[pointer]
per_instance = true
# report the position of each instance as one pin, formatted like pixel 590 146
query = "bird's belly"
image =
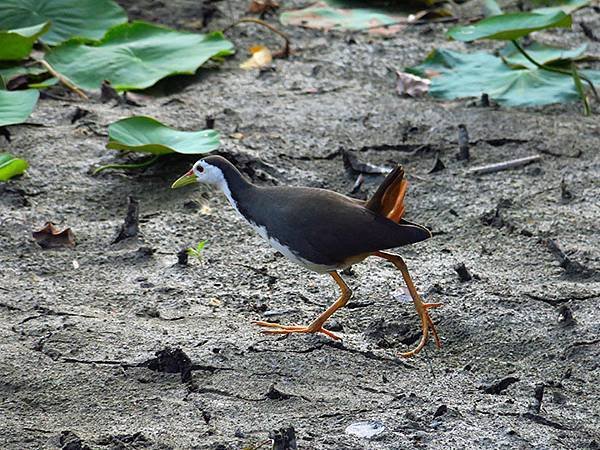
pixel 289 254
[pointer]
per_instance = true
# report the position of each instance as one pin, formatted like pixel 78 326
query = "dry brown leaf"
pixel 51 237
pixel 261 57
pixel 411 85
pixel 262 6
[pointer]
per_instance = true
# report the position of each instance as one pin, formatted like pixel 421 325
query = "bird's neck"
pixel 235 186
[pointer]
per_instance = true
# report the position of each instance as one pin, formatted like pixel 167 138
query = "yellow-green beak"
pixel 186 179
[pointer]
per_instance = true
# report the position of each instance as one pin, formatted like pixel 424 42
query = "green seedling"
pixel 197 252
pixel 11 166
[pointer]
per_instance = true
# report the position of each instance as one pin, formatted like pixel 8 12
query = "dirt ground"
pixel 80 328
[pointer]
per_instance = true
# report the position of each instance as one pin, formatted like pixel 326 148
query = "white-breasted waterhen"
pixel 322 230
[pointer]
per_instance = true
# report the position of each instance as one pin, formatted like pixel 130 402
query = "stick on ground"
pixel 504 165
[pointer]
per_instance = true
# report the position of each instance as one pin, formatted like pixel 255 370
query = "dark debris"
pixel 171 360
pixel 130 226
pixel 284 439
pixel 498 386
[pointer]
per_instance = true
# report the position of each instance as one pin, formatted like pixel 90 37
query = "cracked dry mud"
pixel 89 336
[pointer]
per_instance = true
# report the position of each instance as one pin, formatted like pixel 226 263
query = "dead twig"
pixel 504 165
pixel 62 79
pixel 284 52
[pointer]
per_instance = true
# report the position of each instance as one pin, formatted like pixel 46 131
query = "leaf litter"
pixel 362 16
pixel 50 237
pixel 261 57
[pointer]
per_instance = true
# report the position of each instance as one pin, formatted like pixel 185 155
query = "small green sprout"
pixel 197 252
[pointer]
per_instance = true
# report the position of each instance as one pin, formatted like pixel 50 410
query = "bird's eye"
pixel 200 169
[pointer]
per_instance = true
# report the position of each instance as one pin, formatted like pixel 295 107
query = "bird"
pixel 323 231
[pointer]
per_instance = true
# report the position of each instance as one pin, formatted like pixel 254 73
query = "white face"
pixel 205 173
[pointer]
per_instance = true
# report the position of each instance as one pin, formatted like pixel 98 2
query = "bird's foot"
pixel 276 328
pixel 427 325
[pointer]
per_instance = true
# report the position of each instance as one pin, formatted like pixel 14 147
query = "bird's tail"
pixel 388 200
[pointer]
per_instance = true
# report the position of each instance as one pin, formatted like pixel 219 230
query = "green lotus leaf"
pixel 136 55
pixel 11 166
pixel 459 75
pixel 17 44
pixel 148 135
pixel 541 53
pixel 507 27
pixel 16 106
pixel 88 19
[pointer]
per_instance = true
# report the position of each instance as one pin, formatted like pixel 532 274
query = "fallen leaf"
pixel 215 302
pixel 50 237
pixel 261 57
pixel 375 18
pixel 262 6
pixel 411 85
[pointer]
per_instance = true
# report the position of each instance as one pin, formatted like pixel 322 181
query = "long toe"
pixel 276 328
pixel 427 324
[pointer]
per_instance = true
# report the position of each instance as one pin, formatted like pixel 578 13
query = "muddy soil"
pixel 115 345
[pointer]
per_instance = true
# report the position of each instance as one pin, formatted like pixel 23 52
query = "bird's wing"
pixel 330 227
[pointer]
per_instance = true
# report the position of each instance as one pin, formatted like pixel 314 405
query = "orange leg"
pixel 317 325
pixel 420 306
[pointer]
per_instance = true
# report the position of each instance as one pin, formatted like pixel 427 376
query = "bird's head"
pixel 209 170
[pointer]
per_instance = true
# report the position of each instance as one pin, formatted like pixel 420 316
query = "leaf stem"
pixel 63 79
pixel 283 53
pixel 579 87
pixel 553 69
pixel 140 165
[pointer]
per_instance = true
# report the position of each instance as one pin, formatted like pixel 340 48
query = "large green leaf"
pixel 136 55
pixel 457 75
pixel 541 53
pixel 11 166
pixel 507 27
pixel 145 134
pixel 17 44
pixel 70 18
pixel 16 106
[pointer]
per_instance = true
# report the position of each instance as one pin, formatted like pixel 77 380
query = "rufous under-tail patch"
pixel 388 200
pixel 398 210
